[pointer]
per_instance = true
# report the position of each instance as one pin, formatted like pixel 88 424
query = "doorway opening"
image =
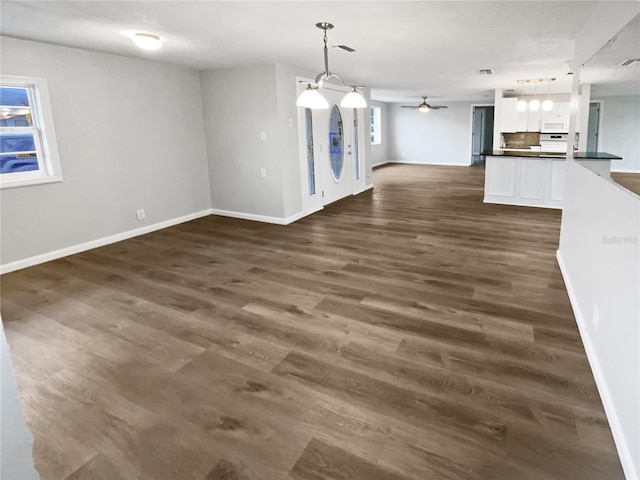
pixel 481 133
pixel 593 130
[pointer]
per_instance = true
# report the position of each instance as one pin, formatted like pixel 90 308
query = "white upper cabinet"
pixel 554 121
pixel 529 121
pixel 557 119
pixel 509 117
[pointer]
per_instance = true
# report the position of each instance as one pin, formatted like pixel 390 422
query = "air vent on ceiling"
pixel 629 61
pixel 486 71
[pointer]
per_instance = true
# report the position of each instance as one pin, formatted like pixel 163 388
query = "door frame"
pixel 473 105
pixel 600 113
pixel 313 203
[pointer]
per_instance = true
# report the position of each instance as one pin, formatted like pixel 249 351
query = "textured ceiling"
pixel 404 49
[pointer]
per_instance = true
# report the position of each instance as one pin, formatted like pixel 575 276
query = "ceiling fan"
pixel 424 106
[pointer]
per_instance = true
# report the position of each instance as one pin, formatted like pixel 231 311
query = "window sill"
pixel 7 183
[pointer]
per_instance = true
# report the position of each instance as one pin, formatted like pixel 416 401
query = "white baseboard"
pixel 436 164
pixel 263 218
pixel 100 242
pixel 626 458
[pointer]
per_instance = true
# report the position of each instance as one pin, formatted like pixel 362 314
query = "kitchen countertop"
pixel 595 156
pixel 523 153
pixel 582 156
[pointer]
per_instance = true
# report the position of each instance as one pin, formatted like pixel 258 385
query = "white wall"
pixel 600 259
pixel 16 442
pixel 239 105
pixel 620 130
pixel 381 153
pixel 599 256
pixel 130 135
pixel 439 137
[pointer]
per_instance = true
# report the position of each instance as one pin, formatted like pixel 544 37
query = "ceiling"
pixel 404 49
pixel 604 72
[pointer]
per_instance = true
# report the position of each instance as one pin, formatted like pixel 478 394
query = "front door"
pixel 338 158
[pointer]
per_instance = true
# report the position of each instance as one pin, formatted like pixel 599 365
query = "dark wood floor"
pixel 411 332
pixel 630 181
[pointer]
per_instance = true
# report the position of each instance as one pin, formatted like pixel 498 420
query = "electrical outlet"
pixel 140 214
pixel 263 172
pixel 596 318
pixel 290 122
pixel 263 136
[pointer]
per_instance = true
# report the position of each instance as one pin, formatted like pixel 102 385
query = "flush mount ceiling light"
pixel 147 41
pixel 310 97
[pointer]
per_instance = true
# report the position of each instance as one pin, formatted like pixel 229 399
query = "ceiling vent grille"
pixel 629 61
pixel 486 71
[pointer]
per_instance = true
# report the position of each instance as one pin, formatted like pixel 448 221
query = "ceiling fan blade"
pixel 345 47
pixel 438 107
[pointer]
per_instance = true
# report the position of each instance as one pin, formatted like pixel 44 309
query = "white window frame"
pixel 375 126
pixel 44 135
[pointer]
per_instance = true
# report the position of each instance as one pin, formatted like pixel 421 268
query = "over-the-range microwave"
pixel 554 126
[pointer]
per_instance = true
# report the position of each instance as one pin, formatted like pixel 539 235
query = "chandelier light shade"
pixel 353 99
pixel 311 98
pixel 534 105
pixel 147 41
pixel 521 106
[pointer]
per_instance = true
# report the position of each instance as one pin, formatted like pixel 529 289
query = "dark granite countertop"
pixel 595 156
pixel 523 153
pixel 583 156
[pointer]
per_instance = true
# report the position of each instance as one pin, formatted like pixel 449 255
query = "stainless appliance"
pixel 553 142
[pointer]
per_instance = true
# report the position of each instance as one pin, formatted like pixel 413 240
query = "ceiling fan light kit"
pixel 424 106
pixel 311 97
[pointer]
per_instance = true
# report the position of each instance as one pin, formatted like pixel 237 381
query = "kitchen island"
pixel 533 179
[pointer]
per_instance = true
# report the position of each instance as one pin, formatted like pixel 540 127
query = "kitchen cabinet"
pixel 508 115
pixel 528 121
pixel 557 119
pixel 528 181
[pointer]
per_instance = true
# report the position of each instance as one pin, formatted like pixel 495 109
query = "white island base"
pixel 524 180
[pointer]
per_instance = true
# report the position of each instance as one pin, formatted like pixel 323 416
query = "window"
pixel 28 148
pixel 375 125
pixel 311 169
pixel 356 145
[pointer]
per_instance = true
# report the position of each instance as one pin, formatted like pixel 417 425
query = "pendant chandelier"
pixel 534 104
pixel 311 97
